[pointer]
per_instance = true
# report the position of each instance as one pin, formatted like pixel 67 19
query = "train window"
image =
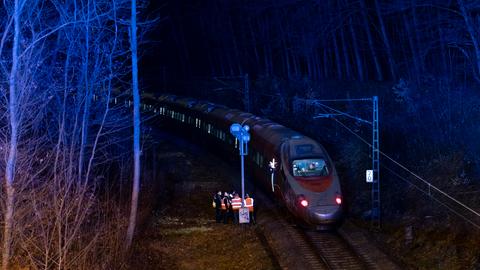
pixel 209 128
pixel 183 117
pixel 310 167
pixel 303 149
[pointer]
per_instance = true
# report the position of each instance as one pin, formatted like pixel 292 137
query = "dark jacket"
pixel 218 201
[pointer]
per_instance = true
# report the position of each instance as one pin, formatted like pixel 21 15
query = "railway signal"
pixel 272 164
pixel 241 133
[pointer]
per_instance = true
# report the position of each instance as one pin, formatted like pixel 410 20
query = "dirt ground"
pixel 182 232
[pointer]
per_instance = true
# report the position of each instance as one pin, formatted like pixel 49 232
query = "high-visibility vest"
pixel 224 206
pixel 249 204
pixel 236 203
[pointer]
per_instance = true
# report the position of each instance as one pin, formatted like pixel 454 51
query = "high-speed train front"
pixel 313 193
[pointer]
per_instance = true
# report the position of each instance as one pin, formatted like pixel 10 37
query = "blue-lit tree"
pixel 12 142
pixel 59 130
pixel 136 125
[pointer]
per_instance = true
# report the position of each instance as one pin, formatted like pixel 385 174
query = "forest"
pixel 72 155
pixel 280 59
pixel 422 58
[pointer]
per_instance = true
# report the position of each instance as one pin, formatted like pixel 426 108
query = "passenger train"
pixel 304 177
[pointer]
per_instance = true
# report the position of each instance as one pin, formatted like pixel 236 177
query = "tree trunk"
pixel 12 153
pixel 378 69
pixel 412 48
pixel 235 47
pixel 386 42
pixel 358 58
pixel 325 61
pixel 348 69
pixel 136 127
pixel 473 35
pixel 443 49
pixel 337 56
pixel 254 45
pixel 88 96
pixel 417 38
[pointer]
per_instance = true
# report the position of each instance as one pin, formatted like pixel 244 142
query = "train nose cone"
pixel 326 214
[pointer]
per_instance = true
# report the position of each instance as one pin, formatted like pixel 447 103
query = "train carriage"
pixel 305 178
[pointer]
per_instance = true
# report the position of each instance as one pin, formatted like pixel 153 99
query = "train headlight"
pixel 338 199
pixel 303 202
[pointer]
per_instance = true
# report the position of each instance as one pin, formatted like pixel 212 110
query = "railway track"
pixel 299 248
pixel 334 252
pixel 295 247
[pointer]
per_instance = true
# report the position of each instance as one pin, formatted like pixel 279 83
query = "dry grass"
pixel 184 235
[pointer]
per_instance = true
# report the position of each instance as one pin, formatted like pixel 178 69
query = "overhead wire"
pixel 432 197
pixel 412 173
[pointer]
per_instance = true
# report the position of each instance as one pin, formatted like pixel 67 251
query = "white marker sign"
pixel 369 174
pixel 244 215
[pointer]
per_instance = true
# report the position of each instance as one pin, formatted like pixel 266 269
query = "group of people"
pixel 227 207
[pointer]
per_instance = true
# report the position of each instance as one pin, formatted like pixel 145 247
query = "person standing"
pixel 225 205
pixel 249 203
pixel 236 204
pixel 217 199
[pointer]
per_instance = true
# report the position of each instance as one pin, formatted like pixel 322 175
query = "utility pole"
pixel 375 166
pixel 373 175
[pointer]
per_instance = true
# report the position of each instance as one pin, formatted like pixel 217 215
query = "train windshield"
pixel 310 167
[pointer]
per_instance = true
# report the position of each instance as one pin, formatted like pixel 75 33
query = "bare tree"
pixel 14 122
pixel 136 125
pixel 65 58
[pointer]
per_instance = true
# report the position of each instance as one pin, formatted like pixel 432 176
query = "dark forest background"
pixel 422 58
pixel 66 98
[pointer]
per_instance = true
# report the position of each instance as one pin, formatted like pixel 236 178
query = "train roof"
pixel 264 128
pixel 187 102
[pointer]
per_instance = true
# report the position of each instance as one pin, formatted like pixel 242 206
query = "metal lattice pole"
pixel 375 166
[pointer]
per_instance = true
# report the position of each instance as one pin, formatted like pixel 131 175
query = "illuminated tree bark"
pixel 386 42
pixel 338 61
pixel 473 36
pixel 136 127
pixel 12 144
pixel 376 61
pixel 358 58
pixel 348 72
pixel 88 96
